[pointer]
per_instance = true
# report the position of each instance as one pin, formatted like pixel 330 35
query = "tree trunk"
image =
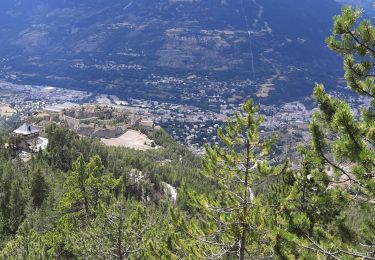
pixel 246 184
pixel 119 236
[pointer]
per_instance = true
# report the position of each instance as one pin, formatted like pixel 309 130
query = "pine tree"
pixel 304 208
pixel 39 188
pixel 227 222
pixel 343 141
pixel 352 138
pixel 87 186
pixel 27 244
pixel 86 189
pixel 12 199
pixel 60 147
pixel 124 230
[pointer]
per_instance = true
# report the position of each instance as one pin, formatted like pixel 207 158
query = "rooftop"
pixel 26 129
pixel 60 107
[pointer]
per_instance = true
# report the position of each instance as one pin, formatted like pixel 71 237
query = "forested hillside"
pixel 63 201
pixel 82 200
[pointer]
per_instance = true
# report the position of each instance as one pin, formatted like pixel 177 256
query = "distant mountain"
pixel 184 51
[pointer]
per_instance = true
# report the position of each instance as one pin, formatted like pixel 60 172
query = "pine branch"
pixel 334 254
pixel 356 39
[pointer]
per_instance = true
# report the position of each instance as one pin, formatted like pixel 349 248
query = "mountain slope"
pixel 170 49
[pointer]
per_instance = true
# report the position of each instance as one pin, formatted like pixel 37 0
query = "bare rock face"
pixel 134 48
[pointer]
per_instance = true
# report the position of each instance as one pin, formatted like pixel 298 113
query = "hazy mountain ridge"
pixel 128 48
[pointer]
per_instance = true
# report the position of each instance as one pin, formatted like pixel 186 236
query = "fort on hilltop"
pixel 113 125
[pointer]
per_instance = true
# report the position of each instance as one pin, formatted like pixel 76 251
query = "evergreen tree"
pixel 87 186
pixel 12 199
pixel 343 141
pixel 303 207
pixel 27 245
pixel 39 188
pixel 351 139
pixel 60 147
pixel 227 222
pixel 124 230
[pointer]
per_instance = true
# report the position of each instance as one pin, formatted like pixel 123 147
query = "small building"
pixel 29 138
pixel 26 132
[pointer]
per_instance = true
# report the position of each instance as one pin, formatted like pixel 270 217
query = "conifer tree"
pixel 227 222
pixel 27 244
pixel 304 208
pixel 123 230
pixel 351 139
pixel 39 188
pixel 12 200
pixel 60 147
pixel 86 187
pixel 343 141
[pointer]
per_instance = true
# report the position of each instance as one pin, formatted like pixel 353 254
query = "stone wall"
pixel 101 132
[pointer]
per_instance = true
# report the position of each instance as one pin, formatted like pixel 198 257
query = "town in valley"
pixel 190 125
